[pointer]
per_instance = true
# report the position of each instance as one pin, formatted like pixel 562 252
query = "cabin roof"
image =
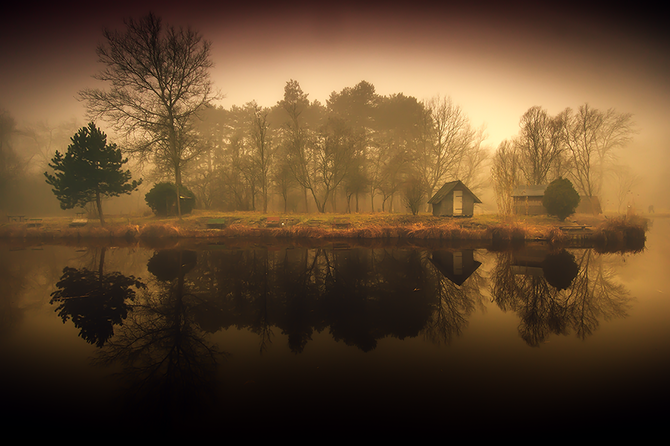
pixel 529 191
pixel 448 187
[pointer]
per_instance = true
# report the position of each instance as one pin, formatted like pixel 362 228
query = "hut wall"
pixel 445 208
pixel 529 206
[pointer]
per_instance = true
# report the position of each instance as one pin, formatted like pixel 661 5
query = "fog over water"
pixel 494 61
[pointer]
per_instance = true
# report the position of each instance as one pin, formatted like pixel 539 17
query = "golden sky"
pixel 495 61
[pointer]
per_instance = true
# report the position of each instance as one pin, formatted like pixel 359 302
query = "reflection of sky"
pixel 495 62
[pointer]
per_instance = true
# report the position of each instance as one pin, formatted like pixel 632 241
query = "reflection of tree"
pixel 560 296
pixel 595 295
pixel 362 295
pixel 95 301
pixel 169 364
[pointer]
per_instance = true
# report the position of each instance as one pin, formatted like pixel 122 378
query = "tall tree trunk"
pixel 372 199
pixel 177 181
pixel 98 202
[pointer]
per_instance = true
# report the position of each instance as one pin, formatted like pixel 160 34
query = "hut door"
pixel 458 263
pixel 458 202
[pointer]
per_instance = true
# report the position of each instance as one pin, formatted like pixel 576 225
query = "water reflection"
pixel 168 365
pixel 362 295
pixel 95 301
pixel 359 295
pixel 557 292
pixel 170 321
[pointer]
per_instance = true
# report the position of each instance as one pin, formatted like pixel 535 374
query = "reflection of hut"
pixel 529 260
pixel 457 266
pixel 558 268
pixel 454 199
pixel 528 200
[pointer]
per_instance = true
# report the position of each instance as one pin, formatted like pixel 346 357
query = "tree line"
pixel 357 144
pixel 580 145
pixel 304 155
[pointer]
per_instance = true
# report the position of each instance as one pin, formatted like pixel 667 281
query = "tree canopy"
pixel 90 170
pixel 159 80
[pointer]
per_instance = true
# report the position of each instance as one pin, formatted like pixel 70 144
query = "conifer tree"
pixel 89 171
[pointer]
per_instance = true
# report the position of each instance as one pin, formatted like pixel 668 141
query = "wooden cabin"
pixel 454 199
pixel 528 200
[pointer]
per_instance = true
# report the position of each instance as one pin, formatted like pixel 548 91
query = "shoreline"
pixel 617 233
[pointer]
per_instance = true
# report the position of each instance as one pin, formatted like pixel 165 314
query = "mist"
pixel 494 62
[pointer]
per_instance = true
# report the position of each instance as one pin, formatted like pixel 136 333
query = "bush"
pixel 162 199
pixel 560 198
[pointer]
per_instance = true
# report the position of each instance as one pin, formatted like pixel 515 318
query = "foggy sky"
pixel 494 61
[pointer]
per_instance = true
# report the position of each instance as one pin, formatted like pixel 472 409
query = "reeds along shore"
pixel 623 232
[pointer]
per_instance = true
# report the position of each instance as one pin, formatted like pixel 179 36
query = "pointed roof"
pixel 444 262
pixel 448 187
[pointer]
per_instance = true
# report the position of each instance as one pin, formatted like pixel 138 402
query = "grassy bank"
pixel 490 228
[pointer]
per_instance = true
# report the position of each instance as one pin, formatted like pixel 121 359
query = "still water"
pixel 191 337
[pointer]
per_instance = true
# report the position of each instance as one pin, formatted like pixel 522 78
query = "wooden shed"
pixel 528 200
pixel 454 199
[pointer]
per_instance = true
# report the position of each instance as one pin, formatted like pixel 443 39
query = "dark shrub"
pixel 162 199
pixel 560 198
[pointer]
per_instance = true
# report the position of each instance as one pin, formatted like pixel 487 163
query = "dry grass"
pixel 421 228
pixel 625 232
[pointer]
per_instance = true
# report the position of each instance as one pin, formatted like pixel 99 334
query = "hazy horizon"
pixel 493 61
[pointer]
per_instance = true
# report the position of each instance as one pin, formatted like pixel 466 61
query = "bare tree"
pixel 9 162
pixel 447 150
pixel 625 181
pixel 325 162
pixel 591 137
pixel 296 134
pixel 262 151
pixel 505 174
pixel 414 193
pixel 399 128
pixel 159 81
pixel 539 145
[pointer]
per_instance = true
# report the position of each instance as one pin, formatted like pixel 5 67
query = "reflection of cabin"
pixel 528 200
pixel 456 266
pixel 454 199
pixel 529 260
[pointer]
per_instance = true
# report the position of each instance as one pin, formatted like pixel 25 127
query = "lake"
pixel 220 336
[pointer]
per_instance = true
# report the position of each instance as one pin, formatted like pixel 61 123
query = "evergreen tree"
pixel 90 170
pixel 560 198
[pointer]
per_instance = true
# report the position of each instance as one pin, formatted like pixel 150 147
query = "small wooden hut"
pixel 528 200
pixel 454 199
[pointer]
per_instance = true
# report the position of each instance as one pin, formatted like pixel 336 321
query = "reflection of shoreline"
pixel 215 243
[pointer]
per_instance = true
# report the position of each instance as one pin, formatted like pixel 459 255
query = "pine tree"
pixel 90 170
